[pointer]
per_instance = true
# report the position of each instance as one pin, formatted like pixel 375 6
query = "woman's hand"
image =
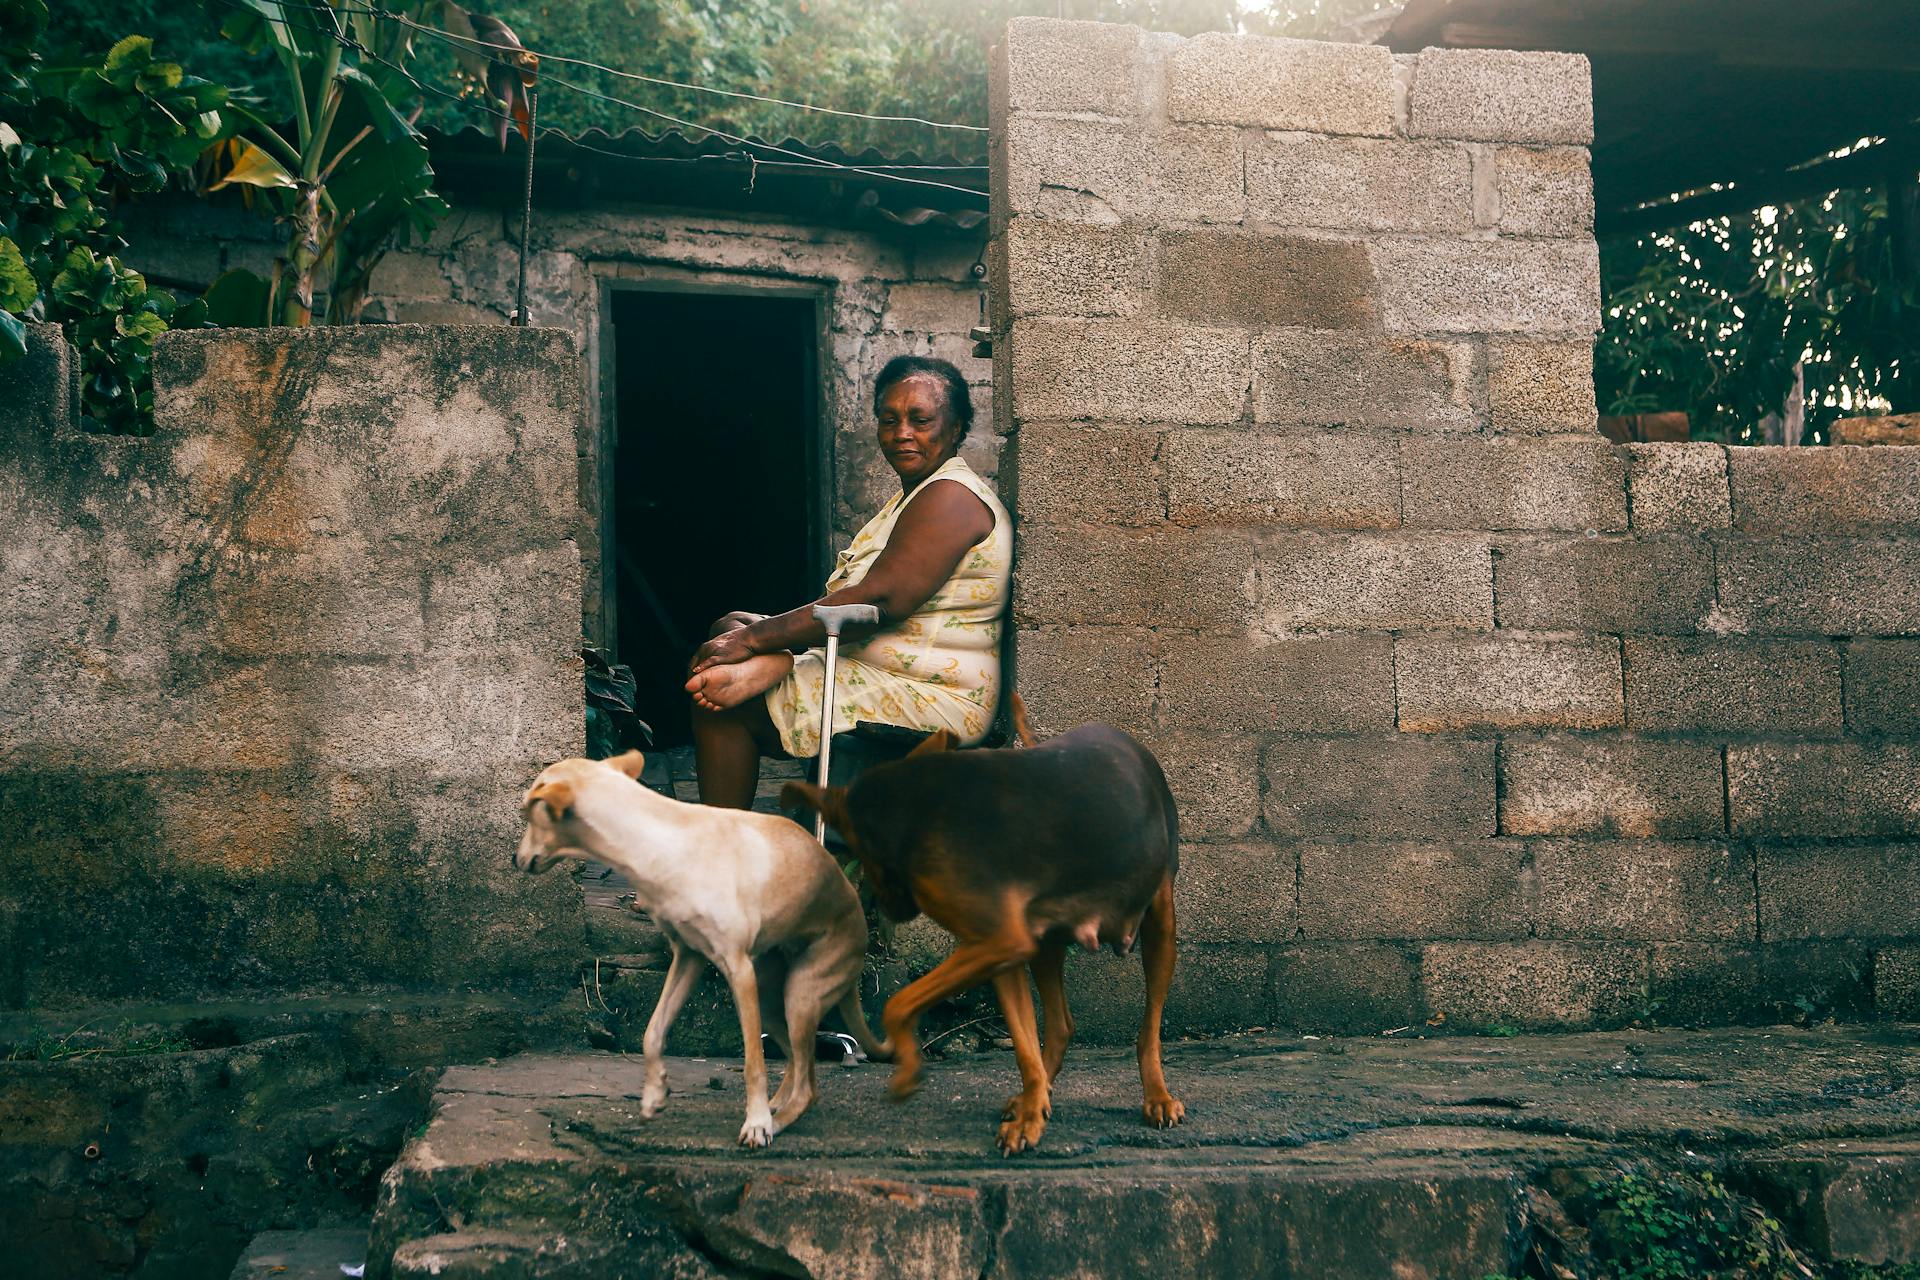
pixel 725 648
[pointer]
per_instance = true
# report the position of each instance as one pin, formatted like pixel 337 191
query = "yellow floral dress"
pixel 940 669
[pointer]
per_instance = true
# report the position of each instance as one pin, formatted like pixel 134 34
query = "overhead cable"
pixel 471 42
pixel 737 140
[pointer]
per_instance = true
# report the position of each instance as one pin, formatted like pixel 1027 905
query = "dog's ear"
pixel 557 796
pixel 940 740
pixel 829 802
pixel 628 762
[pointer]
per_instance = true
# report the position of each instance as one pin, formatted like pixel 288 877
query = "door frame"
pixel 667 278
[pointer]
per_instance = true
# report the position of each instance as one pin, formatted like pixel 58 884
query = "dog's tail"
pixel 855 1019
pixel 1022 731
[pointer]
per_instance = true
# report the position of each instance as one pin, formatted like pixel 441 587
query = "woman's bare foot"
pixel 730 684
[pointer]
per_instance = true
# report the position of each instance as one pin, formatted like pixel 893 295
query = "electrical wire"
pixel 737 140
pixel 698 88
pixel 460 100
pixel 469 42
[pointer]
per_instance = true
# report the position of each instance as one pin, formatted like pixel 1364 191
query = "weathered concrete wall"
pixel 1470 712
pixel 882 296
pixel 276 675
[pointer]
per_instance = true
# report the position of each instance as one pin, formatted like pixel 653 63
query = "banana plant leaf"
pixel 253 167
pixel 260 26
pixel 381 181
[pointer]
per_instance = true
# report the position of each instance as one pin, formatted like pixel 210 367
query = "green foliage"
pixel 1652 1223
pixel 76 140
pixel 189 31
pixel 724 43
pixel 1712 318
pixel 1682 1228
pixel 111 317
pixel 18 288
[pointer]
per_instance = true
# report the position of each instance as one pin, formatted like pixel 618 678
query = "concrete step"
pixel 510 1255
pixel 303 1255
pixel 1324 1158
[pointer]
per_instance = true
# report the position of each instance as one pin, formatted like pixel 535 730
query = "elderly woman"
pixel 935 561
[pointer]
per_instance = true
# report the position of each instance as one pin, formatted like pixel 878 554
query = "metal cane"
pixel 834 617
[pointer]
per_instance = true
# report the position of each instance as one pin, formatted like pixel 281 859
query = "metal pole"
pixel 526 212
pixel 826 725
pixel 834 617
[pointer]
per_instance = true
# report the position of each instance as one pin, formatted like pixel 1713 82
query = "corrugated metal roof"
pixel 698 169
pixel 679 143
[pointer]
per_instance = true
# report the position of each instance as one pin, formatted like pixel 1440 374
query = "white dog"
pixel 753 894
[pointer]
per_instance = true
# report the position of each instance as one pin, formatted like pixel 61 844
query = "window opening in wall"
pixel 715 497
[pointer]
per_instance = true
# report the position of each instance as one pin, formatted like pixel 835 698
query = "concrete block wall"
pixel 1472 715
pixel 276 676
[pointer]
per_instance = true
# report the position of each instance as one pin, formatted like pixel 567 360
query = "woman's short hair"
pixel 900 368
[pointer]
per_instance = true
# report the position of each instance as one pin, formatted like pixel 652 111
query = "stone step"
pixel 303 1255
pixel 1356 1158
pixel 620 930
pixel 508 1255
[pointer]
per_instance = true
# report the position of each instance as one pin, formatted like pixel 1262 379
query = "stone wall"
pixel 277 675
pixel 882 295
pixel 1472 716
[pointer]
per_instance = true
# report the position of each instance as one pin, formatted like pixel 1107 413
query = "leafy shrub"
pixel 74 142
pixel 1648 1222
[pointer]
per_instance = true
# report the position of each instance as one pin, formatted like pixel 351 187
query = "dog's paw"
pixel 757 1132
pixel 1012 1108
pixel 1162 1113
pixel 905 1082
pixel 1021 1131
pixel 651 1100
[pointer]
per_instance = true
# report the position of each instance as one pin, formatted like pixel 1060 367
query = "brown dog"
pixel 1019 854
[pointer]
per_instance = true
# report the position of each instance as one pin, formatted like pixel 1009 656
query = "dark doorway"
pixel 716 494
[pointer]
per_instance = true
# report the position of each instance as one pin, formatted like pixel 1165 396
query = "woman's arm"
pixel 939 526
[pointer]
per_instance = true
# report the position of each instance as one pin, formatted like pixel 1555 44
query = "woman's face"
pixel 916 432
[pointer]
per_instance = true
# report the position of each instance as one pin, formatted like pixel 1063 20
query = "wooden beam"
pixel 1781 49
pixel 1898 158
pixel 1658 133
pixel 1632 174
